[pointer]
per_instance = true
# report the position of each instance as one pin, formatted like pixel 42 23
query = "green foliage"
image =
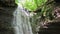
pixel 41 2
pixel 44 15
pixel 47 11
pixel 31 5
pixel 16 1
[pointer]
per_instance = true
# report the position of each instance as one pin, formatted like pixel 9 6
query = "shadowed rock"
pixel 7 8
pixel 52 28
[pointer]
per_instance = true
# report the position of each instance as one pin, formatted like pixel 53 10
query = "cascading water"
pixel 13 19
pixel 21 21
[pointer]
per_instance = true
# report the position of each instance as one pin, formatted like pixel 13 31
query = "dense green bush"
pixel 31 4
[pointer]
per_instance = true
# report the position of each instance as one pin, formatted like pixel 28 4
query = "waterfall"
pixel 13 19
pixel 22 21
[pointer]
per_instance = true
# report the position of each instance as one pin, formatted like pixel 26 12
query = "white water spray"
pixel 21 21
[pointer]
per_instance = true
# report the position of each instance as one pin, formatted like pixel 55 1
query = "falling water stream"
pixel 14 20
pixel 21 21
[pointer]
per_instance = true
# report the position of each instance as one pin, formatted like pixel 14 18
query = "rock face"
pixel 57 1
pixel 7 3
pixel 7 8
pixel 52 28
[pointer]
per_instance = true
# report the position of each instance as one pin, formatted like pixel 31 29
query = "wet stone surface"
pixel 53 28
pixel 6 19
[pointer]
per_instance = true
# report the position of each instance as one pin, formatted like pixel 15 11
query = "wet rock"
pixel 7 8
pixel 53 28
pixel 7 3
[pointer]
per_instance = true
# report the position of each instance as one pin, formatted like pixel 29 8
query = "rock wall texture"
pixel 7 7
pixel 7 3
pixel 52 28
